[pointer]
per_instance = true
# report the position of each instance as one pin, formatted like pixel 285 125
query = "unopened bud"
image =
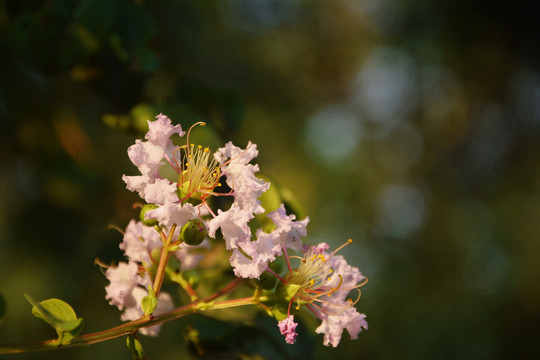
pixel 144 210
pixel 194 232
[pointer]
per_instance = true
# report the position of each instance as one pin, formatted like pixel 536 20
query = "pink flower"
pixel 322 283
pixel 148 156
pixel 289 231
pixel 139 241
pixel 287 327
pixel 233 224
pixel 247 188
pixel 123 279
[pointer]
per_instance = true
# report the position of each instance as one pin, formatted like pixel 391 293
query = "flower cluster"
pixel 178 184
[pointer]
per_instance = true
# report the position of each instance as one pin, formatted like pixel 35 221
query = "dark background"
pixel 412 127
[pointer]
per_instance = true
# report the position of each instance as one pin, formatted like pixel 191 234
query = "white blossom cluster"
pixel 178 200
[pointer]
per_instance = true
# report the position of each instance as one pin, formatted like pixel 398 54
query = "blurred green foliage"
pixel 412 127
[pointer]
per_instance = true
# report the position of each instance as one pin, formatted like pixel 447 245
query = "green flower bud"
pixel 145 208
pixel 194 232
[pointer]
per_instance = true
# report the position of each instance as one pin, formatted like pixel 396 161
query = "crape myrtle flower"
pixel 321 284
pixel 175 201
pixel 198 175
pixel 148 156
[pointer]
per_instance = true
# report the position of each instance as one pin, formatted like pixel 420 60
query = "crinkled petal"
pixel 332 325
pixel 287 327
pixel 247 188
pixel 136 183
pixel 160 132
pixel 260 254
pixel 123 279
pixel 162 191
pixel 288 231
pixel 173 213
pixel 350 277
pixel 233 224
pixel 230 151
pixel 244 267
pixel 139 241
pixel 147 157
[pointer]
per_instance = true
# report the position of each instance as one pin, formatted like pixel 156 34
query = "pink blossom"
pixel 139 241
pixel 287 327
pixel 247 188
pixel 148 156
pixel 123 279
pixel 173 213
pixel 288 231
pixel 233 224
pixel 260 254
pixel 336 312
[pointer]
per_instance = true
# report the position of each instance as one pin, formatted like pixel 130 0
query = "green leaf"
pixel 60 315
pixel 149 302
pixel 135 347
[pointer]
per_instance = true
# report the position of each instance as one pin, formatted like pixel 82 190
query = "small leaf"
pixel 41 312
pixel 135 347
pixel 60 315
pixel 149 303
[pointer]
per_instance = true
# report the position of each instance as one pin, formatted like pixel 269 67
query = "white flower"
pixel 288 231
pixel 148 157
pixel 247 188
pixel 123 279
pixel 139 241
pixel 233 224
pixel 336 312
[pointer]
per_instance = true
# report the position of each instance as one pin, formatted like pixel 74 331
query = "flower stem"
pixel 164 258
